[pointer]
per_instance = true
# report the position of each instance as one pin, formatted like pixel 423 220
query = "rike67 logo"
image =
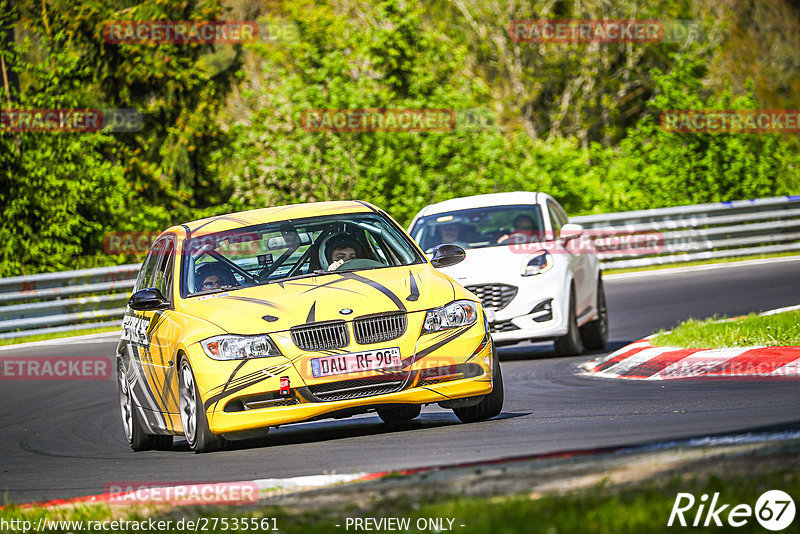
pixel 774 510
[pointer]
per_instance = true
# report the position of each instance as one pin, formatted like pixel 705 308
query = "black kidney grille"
pixel 495 296
pixel 379 328
pixel 321 336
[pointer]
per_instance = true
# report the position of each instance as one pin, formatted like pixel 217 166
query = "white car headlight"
pixel 233 347
pixel 538 263
pixel 455 314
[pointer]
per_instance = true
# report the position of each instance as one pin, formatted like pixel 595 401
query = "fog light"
pixel 543 311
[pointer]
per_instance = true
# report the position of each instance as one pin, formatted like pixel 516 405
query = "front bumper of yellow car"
pixel 264 392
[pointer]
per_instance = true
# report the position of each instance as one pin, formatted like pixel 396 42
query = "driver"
pixel 523 230
pixel 212 275
pixel 340 249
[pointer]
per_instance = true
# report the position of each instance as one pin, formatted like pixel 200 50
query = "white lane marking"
pixel 731 439
pixel 694 268
pixel 310 481
pixel 699 363
pixel 780 310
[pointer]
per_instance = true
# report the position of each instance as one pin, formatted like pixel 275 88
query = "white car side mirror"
pixel 571 231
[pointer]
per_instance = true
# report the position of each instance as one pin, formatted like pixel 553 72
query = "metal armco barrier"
pixel 703 231
pixel 94 298
pixel 65 301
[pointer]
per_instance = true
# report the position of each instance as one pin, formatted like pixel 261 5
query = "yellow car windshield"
pixel 275 252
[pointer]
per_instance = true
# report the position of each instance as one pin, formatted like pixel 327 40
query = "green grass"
pixel 698 262
pixel 57 335
pixel 643 507
pixel 780 329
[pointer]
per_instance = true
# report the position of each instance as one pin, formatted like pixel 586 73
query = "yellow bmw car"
pixel 252 320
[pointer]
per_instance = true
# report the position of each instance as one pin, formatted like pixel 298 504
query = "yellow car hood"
pixel 279 306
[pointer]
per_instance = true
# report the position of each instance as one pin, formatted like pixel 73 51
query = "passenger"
pixel 450 233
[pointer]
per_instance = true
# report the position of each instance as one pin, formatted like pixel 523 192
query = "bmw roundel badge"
pixel 345 311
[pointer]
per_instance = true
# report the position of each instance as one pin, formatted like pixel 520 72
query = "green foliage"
pixel 223 124
pixel 780 329
pixel 61 192
pixel 655 168
pixel 398 63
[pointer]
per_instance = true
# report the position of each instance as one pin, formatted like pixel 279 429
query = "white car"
pixel 519 261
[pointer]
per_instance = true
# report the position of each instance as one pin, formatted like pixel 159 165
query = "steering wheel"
pixel 359 263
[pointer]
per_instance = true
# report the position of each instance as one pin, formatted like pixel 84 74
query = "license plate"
pixel 356 362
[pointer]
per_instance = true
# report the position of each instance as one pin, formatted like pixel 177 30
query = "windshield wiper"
pixel 316 272
pixel 217 290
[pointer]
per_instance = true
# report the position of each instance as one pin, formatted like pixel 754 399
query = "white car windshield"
pixel 480 227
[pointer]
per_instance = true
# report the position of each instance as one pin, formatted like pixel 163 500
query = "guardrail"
pixel 64 301
pixel 703 231
pixel 95 298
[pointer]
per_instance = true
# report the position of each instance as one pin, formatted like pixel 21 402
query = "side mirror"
pixel 571 231
pixel 447 255
pixel 148 299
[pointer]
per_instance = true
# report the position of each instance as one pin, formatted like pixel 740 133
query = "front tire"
pixel 133 427
pixel 491 405
pixel 570 343
pixel 193 413
pixel 594 335
pixel 399 414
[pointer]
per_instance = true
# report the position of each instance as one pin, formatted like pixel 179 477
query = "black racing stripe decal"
pixel 219 396
pixel 256 301
pixel 383 289
pixel 482 345
pixel 310 317
pixel 156 393
pixel 326 284
pixel 414 295
pixel 424 352
pixel 233 375
pixel 244 383
pixel 249 376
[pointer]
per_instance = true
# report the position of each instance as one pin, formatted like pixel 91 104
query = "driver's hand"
pixel 335 265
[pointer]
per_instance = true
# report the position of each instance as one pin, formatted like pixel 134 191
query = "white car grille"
pixel 495 296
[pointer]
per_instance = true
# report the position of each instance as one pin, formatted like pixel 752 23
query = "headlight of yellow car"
pixel 233 347
pixel 455 314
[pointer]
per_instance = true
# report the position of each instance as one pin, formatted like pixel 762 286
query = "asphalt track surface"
pixel 61 439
